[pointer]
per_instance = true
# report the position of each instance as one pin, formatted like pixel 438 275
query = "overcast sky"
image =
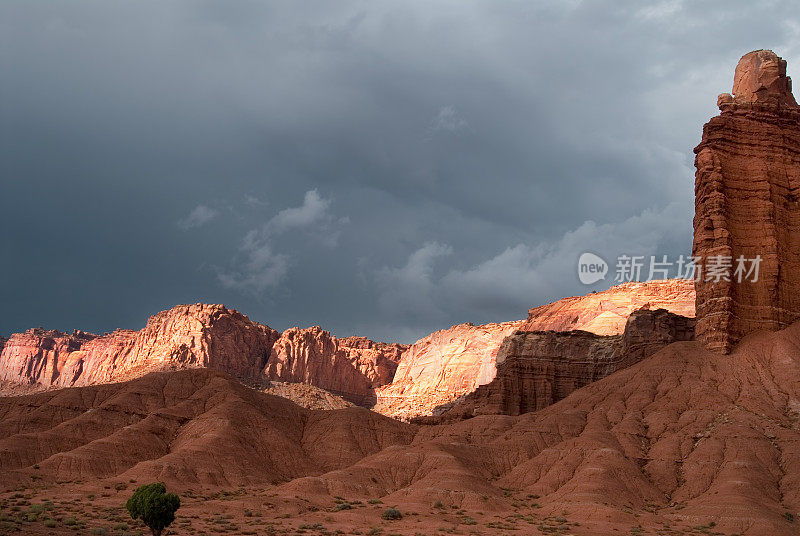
pixel 378 168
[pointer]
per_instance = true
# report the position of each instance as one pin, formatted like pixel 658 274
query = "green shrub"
pixel 392 514
pixel 154 506
pixel 50 523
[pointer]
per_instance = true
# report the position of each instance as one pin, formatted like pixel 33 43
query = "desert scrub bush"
pixel 99 531
pixel 50 523
pixel 392 514
pixel 154 506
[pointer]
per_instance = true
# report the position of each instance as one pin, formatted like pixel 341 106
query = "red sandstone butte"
pixel 747 188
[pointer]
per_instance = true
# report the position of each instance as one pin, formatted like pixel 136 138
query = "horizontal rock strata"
pixel 747 205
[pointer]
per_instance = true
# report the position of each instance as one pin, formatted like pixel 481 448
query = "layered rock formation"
pixel 436 370
pixel 648 331
pixel 747 188
pixel 681 443
pixel 185 336
pixel 350 367
pixel 538 368
pixel 442 367
pixel 377 361
pixel 606 312
pixel 446 365
pixel 200 335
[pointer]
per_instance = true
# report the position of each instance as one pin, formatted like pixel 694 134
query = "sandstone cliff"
pixel 185 336
pixel 606 312
pixel 409 381
pixel 193 336
pixel 448 364
pixel 747 187
pixel 442 367
pixel 538 368
pixel 350 367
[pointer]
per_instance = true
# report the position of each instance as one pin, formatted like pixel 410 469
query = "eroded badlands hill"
pixel 686 438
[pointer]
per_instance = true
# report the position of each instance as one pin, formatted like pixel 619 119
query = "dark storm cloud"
pixel 377 168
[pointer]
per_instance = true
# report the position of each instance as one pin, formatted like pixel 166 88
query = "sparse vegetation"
pixel 392 514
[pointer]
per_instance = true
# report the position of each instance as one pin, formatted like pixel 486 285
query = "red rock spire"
pixel 747 188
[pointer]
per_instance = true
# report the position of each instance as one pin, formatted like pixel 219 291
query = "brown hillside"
pixel 686 438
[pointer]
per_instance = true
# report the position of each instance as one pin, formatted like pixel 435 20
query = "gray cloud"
pixel 505 281
pixel 261 267
pixel 509 134
pixel 448 119
pixel 198 217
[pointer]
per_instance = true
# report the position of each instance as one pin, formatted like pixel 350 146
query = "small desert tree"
pixel 154 506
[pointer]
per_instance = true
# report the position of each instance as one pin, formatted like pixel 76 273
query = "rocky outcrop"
pixel 377 361
pixel 648 331
pixel 747 204
pixel 351 367
pixel 538 368
pixel 185 336
pixel 195 336
pixel 606 312
pixel 397 380
pixel 442 367
pixel 446 365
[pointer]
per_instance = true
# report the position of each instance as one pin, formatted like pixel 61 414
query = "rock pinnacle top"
pixel 760 77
